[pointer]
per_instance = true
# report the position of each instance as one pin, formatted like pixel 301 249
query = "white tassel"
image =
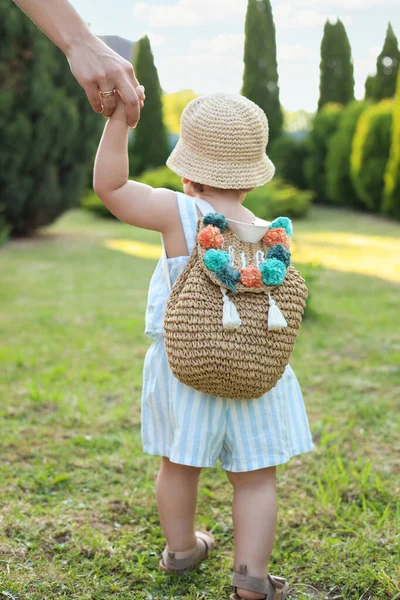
pixel 231 319
pixel 276 320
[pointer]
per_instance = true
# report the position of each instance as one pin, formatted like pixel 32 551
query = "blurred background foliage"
pixel 370 153
pixel 48 130
pixel 347 154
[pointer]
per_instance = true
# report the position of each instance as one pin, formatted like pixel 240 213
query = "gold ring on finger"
pixel 107 94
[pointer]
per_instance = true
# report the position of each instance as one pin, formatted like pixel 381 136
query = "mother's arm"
pixel 94 65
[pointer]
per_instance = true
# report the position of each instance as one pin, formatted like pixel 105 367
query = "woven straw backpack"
pixel 234 313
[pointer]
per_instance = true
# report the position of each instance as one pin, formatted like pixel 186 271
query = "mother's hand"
pixel 97 68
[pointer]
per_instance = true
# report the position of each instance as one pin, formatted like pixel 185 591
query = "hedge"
pixel 391 199
pixel 339 185
pixel 277 198
pixel 324 126
pixel 370 153
pixel 289 155
pixel 162 178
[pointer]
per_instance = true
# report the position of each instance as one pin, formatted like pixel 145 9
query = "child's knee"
pixel 259 476
pixel 178 468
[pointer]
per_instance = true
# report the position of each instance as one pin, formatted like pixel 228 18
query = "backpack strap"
pixel 165 266
pixel 188 215
pixel 204 207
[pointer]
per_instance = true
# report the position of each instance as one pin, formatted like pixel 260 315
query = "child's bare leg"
pixel 254 511
pixel 176 494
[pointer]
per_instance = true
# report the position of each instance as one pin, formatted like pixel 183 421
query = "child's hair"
pixel 199 189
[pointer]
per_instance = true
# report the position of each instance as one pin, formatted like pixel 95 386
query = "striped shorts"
pixel 193 428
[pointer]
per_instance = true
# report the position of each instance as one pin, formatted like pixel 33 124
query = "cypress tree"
pixel 387 67
pixel 260 77
pixel 391 198
pixel 369 87
pixel 149 148
pixel 336 67
pixel 48 130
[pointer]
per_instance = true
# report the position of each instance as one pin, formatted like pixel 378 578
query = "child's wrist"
pixel 119 113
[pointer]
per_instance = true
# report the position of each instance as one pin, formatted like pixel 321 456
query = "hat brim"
pixel 184 161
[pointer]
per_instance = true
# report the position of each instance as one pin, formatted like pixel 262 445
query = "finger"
pixel 130 74
pixel 92 92
pixel 132 103
pixel 140 93
pixel 109 103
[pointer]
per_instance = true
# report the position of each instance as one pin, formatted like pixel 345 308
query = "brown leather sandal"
pixel 274 588
pixel 170 564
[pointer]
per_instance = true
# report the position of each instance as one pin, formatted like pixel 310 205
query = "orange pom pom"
pixel 250 277
pixel 210 237
pixel 277 235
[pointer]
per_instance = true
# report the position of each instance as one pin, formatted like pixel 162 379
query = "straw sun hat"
pixel 222 143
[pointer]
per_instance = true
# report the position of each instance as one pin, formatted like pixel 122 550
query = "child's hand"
pixel 119 114
pixel 141 95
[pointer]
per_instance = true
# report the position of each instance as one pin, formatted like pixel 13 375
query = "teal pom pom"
pixel 217 220
pixel 228 277
pixel 273 271
pixel 215 259
pixel 281 253
pixel 218 261
pixel 283 222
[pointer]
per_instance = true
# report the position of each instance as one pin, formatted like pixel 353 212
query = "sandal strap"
pixel 180 564
pixel 268 586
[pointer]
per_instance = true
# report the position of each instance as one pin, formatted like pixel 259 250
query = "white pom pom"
pixel 231 319
pixel 276 320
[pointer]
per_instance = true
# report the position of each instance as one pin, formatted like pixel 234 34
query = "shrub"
pixel 324 126
pixel 277 198
pixel 391 199
pixel 370 153
pixel 173 106
pixel 92 203
pixel 339 186
pixel 48 130
pixel 289 155
pixel 4 229
pixel 162 178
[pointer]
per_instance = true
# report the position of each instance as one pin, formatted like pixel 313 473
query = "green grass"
pixel 77 510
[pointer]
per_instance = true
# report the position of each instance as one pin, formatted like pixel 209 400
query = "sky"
pixel 198 44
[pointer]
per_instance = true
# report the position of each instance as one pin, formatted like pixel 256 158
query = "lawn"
pixel 77 510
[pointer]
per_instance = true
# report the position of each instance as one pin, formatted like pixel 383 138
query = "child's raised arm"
pixel 131 202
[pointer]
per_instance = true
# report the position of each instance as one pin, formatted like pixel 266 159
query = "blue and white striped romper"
pixel 193 428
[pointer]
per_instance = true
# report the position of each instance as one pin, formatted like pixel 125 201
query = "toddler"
pixel 220 156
